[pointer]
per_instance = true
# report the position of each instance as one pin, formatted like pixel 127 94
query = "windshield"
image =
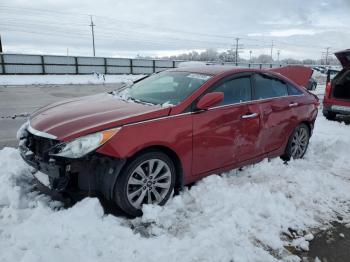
pixel 168 88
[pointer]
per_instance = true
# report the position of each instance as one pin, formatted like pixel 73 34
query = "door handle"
pixel 250 115
pixel 293 104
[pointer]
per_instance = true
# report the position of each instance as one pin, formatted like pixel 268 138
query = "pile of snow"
pixel 65 79
pixel 240 216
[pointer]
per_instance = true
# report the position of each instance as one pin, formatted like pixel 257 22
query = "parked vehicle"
pixel 320 69
pixel 312 84
pixel 337 95
pixel 171 129
pixel 332 72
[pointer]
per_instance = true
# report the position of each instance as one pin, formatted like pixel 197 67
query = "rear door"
pixel 276 110
pixel 224 133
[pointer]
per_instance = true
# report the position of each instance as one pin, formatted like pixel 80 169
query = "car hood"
pixel 344 58
pixel 73 118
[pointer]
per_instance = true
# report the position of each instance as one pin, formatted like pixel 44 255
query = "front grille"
pixel 40 146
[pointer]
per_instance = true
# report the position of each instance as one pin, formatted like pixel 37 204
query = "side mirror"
pixel 209 100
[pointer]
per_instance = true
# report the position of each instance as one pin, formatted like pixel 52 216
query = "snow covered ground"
pixel 65 79
pixel 239 216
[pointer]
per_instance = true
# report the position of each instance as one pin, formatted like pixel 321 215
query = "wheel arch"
pixel 306 122
pixel 310 123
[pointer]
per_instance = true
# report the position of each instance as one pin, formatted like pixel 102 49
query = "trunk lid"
pixel 298 74
pixel 344 58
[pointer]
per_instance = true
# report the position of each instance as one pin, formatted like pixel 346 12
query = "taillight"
pixel 328 90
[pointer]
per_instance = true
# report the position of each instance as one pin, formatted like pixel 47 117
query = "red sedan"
pixel 169 130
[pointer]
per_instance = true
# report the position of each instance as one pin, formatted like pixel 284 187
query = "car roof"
pixel 213 69
pixel 283 73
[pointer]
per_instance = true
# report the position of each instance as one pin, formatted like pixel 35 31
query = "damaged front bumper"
pixel 91 175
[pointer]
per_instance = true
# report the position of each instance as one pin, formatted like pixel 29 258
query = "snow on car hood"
pixel 72 118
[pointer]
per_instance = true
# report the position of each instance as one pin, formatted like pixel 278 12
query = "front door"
pixel 222 133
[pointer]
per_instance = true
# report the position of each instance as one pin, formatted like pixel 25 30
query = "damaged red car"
pixel 168 130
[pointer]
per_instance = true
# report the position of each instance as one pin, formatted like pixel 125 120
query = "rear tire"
pixel 147 179
pixel 297 143
pixel 330 115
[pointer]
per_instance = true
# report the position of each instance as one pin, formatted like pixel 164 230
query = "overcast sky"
pixel 299 28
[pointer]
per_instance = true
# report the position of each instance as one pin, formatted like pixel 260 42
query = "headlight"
pixel 84 145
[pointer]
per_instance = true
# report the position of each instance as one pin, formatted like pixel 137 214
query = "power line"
pixel 44 12
pixel 107 33
pixel 28 19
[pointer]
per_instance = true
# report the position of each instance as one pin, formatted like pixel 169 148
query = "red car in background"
pixel 337 96
pixel 169 130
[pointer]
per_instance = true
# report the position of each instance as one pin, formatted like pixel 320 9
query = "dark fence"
pixel 50 64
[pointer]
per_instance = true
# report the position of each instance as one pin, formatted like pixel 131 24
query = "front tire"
pixel 297 143
pixel 147 179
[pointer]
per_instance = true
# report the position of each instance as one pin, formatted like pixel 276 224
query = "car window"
pixel 235 91
pixel 168 87
pixel 164 84
pixel 293 91
pixel 267 87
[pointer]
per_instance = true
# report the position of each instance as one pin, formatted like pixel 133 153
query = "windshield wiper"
pixel 125 86
pixel 140 101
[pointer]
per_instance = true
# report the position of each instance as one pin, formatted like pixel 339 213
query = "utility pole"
pixel 278 55
pixel 93 35
pixel 271 49
pixel 236 58
pixel 327 54
pixel 0 45
pixel 250 56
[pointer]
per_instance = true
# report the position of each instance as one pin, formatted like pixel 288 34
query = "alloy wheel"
pixel 299 143
pixel 149 183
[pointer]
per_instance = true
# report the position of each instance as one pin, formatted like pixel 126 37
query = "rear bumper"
pixel 336 109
